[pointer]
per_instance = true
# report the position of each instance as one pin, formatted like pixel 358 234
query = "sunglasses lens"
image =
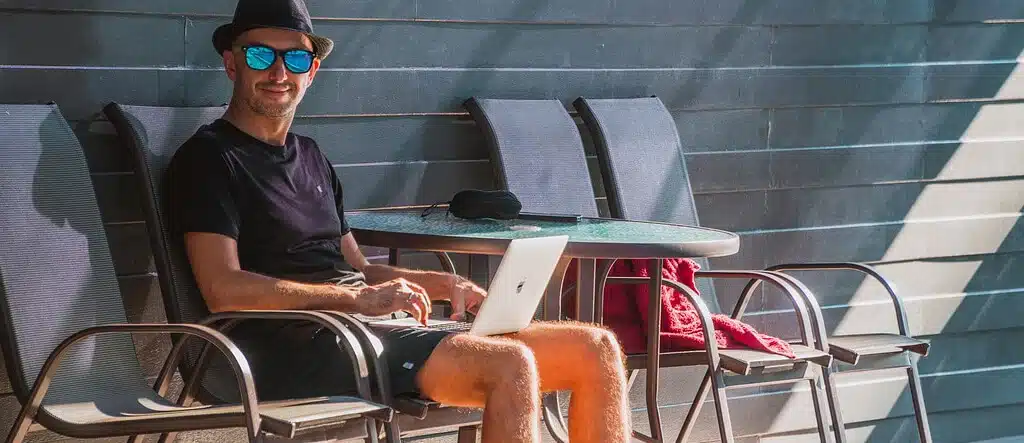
pixel 259 57
pixel 298 62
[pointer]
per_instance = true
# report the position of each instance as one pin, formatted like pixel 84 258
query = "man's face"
pixel 275 92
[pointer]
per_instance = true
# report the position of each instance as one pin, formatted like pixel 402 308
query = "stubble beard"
pixel 266 109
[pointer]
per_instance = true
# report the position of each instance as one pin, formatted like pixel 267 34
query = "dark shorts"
pixel 291 359
pixel 302 359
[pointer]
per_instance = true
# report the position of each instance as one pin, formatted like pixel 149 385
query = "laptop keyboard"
pixel 452 327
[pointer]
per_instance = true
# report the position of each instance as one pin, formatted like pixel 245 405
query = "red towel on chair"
pixel 625 312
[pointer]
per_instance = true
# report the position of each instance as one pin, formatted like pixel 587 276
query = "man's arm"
pixel 462 293
pixel 437 284
pixel 226 287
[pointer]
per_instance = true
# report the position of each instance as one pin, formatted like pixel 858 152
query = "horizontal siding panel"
pixel 975 161
pixel 863 401
pixel 816 45
pixel 842 126
pixel 81 94
pixel 973 351
pixel 707 131
pixel 987 42
pixel 845 167
pixel 411 183
pixel 926 316
pixel 85 40
pixel 966 426
pixel 775 12
pixel 982 81
pixel 317 8
pixel 977 10
pixel 398 139
pixel 953 275
pixel 403 44
pixel 729 171
pixel 900 241
pixel 733 211
pixel 811 207
pixel 691 12
pixel 896 44
pixel 444 90
pixel 816 207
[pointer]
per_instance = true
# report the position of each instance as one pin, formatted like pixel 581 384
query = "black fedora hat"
pixel 280 14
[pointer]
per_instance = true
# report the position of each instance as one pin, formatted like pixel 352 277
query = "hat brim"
pixel 226 34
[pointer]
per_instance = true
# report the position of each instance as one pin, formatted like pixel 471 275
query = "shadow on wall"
pixel 965 241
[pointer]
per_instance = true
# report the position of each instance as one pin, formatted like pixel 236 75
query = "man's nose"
pixel 277 70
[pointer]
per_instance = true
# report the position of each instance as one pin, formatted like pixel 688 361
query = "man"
pixel 260 212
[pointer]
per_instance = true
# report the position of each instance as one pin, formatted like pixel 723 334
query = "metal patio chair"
pixel 66 338
pixel 153 135
pixel 623 128
pixel 537 153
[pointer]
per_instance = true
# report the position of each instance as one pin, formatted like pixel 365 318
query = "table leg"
pixel 553 311
pixel 585 290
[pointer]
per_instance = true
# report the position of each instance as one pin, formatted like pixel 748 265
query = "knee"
pixel 513 362
pixel 599 345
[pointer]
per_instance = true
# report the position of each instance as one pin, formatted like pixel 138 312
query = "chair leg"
pixel 698 402
pixel 392 434
pixel 832 394
pixel 467 434
pixel 920 413
pixel 722 408
pixel 819 409
pixel 653 412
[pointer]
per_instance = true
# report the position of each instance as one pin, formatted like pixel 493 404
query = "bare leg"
pixel 587 360
pixel 497 374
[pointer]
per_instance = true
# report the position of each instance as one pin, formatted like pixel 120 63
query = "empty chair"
pixel 644 170
pixel 153 135
pixel 66 337
pixel 536 147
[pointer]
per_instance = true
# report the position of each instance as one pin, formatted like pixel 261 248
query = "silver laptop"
pixel 514 293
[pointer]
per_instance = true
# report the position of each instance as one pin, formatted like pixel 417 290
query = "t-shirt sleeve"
pixel 338 197
pixel 201 192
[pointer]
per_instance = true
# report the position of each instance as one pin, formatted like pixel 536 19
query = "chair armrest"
pixel 347 339
pixel 239 364
pixel 901 315
pixel 707 326
pixel 795 296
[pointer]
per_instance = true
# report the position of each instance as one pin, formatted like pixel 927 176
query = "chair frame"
pixel 809 370
pixel 32 395
pixel 901 358
pixel 351 332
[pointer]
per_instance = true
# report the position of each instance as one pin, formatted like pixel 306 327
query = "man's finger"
pixel 416 312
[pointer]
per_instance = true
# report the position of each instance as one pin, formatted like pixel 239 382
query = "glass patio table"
pixel 590 239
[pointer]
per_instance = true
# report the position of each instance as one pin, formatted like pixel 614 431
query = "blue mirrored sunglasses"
pixel 261 58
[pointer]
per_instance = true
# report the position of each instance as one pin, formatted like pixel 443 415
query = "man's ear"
pixel 229 64
pixel 312 72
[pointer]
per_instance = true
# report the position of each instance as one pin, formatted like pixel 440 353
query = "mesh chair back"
pixel 537 154
pixel 153 134
pixel 56 272
pixel 642 163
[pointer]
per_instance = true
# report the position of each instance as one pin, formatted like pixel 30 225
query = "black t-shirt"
pixel 282 204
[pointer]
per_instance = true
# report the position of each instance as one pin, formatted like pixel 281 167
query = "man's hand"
pixel 393 296
pixel 464 296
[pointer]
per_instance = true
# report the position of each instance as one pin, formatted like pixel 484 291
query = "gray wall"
pixel 883 131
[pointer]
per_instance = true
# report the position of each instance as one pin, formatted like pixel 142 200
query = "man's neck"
pixel 271 130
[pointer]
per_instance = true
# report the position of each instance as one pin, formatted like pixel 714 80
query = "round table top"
pixel 589 238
